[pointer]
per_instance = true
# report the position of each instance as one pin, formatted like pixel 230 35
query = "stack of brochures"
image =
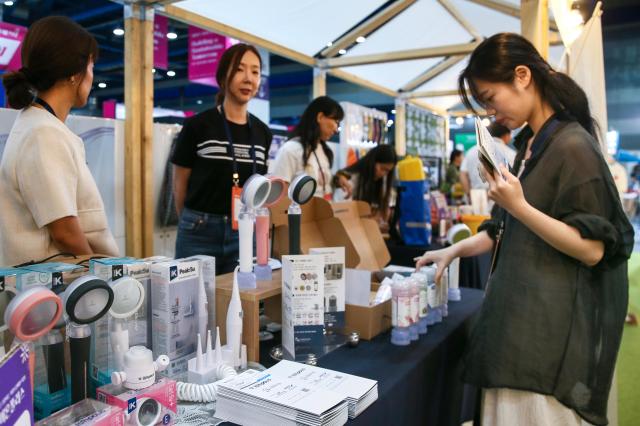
pixel 359 392
pixel 290 393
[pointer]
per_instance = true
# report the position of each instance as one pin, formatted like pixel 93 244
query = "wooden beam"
pixel 432 72
pixel 404 55
pixel 139 207
pixel 455 13
pixel 319 83
pixel 534 24
pixel 426 105
pixel 367 27
pixel 182 15
pixel 508 9
pixel 433 93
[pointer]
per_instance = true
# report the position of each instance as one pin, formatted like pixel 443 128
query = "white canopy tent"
pixel 414 49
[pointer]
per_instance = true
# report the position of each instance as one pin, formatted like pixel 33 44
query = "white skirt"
pixel 508 407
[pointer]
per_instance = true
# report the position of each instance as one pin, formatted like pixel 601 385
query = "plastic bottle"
pixel 415 308
pixel 454 281
pixel 432 299
pixel 423 303
pixel 401 296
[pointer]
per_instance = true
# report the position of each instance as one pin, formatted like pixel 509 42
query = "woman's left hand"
pixel 506 191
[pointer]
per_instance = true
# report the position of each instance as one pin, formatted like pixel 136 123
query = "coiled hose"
pixel 193 392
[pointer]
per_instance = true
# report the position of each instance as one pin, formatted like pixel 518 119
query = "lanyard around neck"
pixel 45 105
pixel 324 189
pixel 231 150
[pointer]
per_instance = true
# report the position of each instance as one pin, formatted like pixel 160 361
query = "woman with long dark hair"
pixel 50 201
pixel 371 179
pixel 545 345
pixel 217 150
pixel 307 151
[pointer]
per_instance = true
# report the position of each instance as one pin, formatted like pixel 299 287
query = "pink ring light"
pixel 24 304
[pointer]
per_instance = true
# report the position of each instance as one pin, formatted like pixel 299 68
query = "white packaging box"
pixel 175 289
pixel 334 285
pixel 302 304
pixel 208 282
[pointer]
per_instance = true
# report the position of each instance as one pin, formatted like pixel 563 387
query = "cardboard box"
pixel 318 228
pixel 364 233
pixel 158 401
pixel 368 321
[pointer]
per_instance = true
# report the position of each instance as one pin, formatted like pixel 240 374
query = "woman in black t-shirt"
pixel 216 151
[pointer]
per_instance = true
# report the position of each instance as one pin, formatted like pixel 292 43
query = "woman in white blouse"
pixel 307 151
pixel 50 201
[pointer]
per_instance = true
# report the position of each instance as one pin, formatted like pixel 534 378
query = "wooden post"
pixel 138 96
pixel 401 127
pixel 534 24
pixel 319 82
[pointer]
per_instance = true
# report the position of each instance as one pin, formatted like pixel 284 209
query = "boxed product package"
pixel 53 275
pixel 334 285
pixel 155 405
pixel 8 278
pixel 318 228
pixel 364 233
pixel 51 378
pixel 302 304
pixel 86 412
pixel 368 320
pixel 138 325
pixel 16 407
pixel 176 311
pixel 208 298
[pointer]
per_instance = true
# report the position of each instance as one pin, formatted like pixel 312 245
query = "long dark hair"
pixel 496 59
pixel 308 130
pixel 230 59
pixel 368 188
pixel 55 48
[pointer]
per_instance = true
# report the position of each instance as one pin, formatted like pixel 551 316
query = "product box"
pixel 208 298
pixel 302 304
pixel 318 228
pixel 334 285
pixel 176 311
pixel 16 404
pixel 155 405
pixel 8 277
pixel 51 394
pixel 53 275
pixel 138 325
pixel 364 233
pixel 86 412
pixel 368 321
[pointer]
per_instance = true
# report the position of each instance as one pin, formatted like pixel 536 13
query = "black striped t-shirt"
pixel 203 147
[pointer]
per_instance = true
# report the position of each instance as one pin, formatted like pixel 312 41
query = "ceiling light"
pixel 459 121
pixel 153 70
pixel 8 3
pixel 330 44
pixel 342 51
pixel 172 36
pixel 393 111
pixel 171 73
pixel 199 101
pixel 361 39
pixel 102 85
pixel 486 121
pixel 118 31
pixel 389 123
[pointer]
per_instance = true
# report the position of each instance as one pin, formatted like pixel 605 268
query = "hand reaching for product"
pixel 442 258
pixel 345 184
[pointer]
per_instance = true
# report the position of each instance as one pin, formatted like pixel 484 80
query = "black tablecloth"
pixel 474 271
pixel 418 384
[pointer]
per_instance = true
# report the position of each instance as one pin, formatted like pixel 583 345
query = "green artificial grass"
pixel 629 356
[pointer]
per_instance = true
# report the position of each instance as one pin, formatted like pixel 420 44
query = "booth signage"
pixel 160 42
pixel 205 50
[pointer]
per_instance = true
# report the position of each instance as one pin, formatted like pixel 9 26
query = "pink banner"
pixel 11 37
pixel 109 108
pixel 160 42
pixel 205 50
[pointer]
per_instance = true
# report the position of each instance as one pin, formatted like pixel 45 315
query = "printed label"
pixel 424 303
pixel 415 308
pixel 404 311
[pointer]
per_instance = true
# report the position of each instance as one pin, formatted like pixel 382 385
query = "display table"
pixel 474 271
pixel 418 384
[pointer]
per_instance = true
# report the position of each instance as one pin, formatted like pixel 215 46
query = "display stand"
pixel 362 129
pixel 267 291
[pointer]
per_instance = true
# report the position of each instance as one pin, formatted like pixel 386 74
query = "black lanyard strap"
pixel 46 106
pixel 231 150
pixel 324 189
